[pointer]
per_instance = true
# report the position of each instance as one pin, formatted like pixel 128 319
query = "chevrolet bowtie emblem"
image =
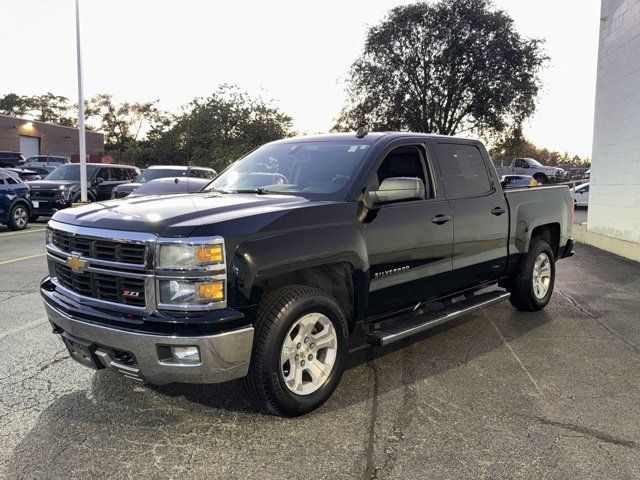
pixel 75 263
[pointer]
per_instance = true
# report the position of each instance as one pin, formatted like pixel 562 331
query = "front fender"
pixel 257 260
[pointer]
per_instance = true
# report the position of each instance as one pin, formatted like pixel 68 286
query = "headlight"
pixel 191 256
pixel 191 293
pixel 191 273
pixel 49 236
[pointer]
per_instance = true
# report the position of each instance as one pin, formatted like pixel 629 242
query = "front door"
pixel 409 243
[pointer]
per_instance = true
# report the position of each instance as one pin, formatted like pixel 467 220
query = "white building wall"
pixel 614 197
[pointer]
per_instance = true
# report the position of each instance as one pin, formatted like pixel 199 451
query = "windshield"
pixel 534 162
pixel 153 173
pixel 71 172
pixel 293 168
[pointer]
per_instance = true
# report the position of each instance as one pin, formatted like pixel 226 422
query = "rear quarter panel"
pixel 532 207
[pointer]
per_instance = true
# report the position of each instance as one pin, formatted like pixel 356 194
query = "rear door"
pixel 409 251
pixel 480 212
pixel 110 181
pixel 7 194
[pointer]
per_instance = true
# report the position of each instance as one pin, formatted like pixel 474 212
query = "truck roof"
pixel 369 138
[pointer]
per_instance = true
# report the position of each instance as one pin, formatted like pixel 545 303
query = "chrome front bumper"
pixel 224 356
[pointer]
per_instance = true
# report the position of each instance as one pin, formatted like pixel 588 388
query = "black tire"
pixel 76 198
pixel 541 178
pixel 277 313
pixel 18 217
pixel 523 296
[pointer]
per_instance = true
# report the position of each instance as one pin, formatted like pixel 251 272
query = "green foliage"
pixel 122 123
pixel 214 131
pixel 44 108
pixel 444 67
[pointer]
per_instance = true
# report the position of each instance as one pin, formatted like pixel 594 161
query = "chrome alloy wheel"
pixel 20 216
pixel 308 353
pixel 541 276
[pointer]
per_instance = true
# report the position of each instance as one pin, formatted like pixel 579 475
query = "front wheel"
pixel 300 348
pixel 18 217
pixel 533 285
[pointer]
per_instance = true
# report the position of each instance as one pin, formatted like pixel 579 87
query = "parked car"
pixel 24 174
pixel 580 195
pixel 47 160
pixel 587 174
pixel 11 159
pixel 533 168
pixel 345 233
pixel 43 171
pixel 164 186
pixel 15 201
pixel 516 181
pixel 62 186
pixel 163 171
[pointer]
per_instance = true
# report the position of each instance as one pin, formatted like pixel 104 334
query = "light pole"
pixel 81 135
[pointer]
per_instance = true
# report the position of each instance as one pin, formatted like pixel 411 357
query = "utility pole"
pixel 81 134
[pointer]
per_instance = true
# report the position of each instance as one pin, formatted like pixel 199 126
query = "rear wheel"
pixel 532 287
pixel 18 217
pixel 541 178
pixel 300 347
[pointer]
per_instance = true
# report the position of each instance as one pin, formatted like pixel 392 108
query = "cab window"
pixel 463 170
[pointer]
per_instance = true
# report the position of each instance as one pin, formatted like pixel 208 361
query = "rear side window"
pixel 464 173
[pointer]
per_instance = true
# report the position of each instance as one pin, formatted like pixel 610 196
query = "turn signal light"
pixel 210 292
pixel 209 254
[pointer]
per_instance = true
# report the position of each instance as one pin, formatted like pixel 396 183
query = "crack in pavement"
pixel 589 432
pixel 598 321
pixel 514 354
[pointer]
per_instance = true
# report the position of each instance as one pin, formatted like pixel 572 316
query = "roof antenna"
pixel 361 133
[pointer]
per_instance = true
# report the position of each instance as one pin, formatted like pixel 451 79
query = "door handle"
pixel 498 211
pixel 441 219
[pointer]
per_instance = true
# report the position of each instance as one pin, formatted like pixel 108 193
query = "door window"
pixel 107 174
pixel 464 173
pixel 405 161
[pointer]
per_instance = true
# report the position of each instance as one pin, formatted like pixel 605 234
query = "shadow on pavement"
pixel 158 427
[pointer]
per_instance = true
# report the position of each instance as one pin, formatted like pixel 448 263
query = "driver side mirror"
pixel 395 189
pixel 98 181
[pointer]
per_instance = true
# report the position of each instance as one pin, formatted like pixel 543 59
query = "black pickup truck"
pixel 266 273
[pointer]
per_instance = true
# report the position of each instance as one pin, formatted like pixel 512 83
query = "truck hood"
pixel 180 215
pixel 127 187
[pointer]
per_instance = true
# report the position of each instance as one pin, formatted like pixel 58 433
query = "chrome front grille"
pixel 107 287
pixel 103 268
pixel 99 248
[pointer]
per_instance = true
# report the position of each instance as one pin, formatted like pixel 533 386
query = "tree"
pixel 52 108
pixel 13 104
pixel 45 108
pixel 123 123
pixel 216 130
pixel 445 67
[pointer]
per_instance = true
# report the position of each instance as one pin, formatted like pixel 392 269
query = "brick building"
pixel 614 198
pixel 38 138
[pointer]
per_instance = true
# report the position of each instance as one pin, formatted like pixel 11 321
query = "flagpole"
pixel 81 134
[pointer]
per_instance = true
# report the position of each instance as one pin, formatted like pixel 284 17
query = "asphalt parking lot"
pixel 498 394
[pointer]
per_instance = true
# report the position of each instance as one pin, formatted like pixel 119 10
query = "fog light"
pixel 186 354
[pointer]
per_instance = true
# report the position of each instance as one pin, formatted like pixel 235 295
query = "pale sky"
pixel 294 52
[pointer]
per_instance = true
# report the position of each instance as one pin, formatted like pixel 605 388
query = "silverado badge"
pixel 76 264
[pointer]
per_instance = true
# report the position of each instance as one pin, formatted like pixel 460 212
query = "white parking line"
pixel 24 232
pixel 4 262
